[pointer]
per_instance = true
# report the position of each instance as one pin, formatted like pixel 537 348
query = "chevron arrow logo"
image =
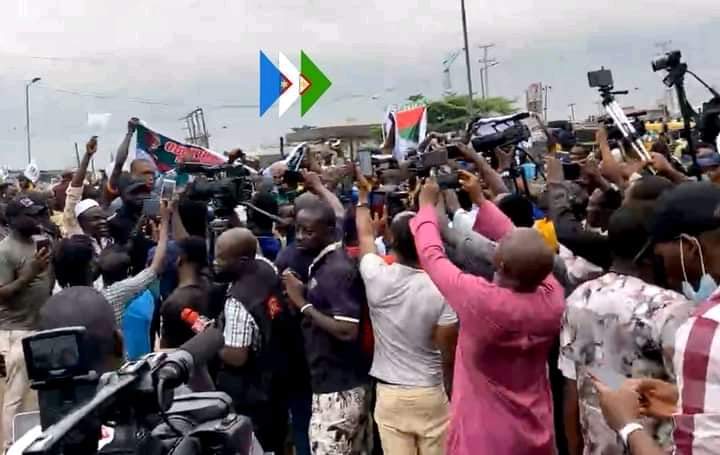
pixel 285 84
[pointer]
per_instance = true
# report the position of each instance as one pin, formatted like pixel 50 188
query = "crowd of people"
pixel 570 315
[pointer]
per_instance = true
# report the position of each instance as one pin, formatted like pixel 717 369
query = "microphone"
pixel 177 367
pixel 197 322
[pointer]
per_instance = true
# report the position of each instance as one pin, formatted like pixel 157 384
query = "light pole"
pixel 27 114
pixel 467 60
pixel 572 111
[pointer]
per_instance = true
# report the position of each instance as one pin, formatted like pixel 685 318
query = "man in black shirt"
pixel 254 369
pixel 331 307
pixel 124 224
pixel 192 293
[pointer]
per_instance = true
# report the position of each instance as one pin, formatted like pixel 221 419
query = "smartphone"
pixel 600 78
pixel 377 203
pixel 41 242
pixel 168 189
pixel 365 162
pixel 571 171
pixel 151 207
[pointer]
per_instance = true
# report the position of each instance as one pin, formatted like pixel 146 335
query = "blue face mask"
pixel 707 283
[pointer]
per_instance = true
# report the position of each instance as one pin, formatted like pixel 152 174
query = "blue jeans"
pixel 300 411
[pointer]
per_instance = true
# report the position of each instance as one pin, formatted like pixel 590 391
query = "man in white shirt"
pixel 415 334
pixel 85 216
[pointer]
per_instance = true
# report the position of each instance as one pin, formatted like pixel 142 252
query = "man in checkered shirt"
pixel 254 358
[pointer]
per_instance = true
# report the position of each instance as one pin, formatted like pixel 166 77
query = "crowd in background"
pixel 500 315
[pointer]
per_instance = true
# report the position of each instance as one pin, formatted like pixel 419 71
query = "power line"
pixel 146 101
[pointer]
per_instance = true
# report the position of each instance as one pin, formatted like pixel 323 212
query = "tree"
pixel 451 113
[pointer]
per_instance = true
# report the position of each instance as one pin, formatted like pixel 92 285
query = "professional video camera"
pixel 707 122
pixel 489 133
pixel 136 402
pixel 227 186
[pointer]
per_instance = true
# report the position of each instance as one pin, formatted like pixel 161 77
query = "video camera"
pixel 489 133
pixel 137 401
pixel 707 122
pixel 227 185
pixel 434 163
pixel 667 61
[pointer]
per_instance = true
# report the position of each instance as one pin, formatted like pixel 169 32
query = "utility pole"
pixel 572 111
pixel 486 63
pixel 482 82
pixel 467 60
pixel 484 69
pixel 27 114
pixel 546 90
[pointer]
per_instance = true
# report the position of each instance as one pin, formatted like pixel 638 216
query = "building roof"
pixel 358 131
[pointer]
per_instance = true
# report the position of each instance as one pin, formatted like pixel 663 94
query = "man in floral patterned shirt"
pixel 617 326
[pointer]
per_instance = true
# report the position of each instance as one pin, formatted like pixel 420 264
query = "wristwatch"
pixel 627 430
pixel 363 204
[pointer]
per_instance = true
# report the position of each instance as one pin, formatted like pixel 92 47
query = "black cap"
pixel 26 204
pixel 689 208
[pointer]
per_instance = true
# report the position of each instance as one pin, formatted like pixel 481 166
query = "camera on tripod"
pixel 667 61
pixel 622 126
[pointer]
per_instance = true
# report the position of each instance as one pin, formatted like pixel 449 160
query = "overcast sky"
pixel 158 60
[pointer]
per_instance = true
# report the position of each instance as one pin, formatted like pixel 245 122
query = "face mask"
pixel 707 283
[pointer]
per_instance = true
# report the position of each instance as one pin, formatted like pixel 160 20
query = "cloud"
pixel 188 53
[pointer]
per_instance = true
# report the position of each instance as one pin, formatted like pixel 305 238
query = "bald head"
pixel 233 249
pixel 236 242
pixel 523 259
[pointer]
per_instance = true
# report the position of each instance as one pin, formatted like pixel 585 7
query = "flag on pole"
pixel 166 152
pixel 410 128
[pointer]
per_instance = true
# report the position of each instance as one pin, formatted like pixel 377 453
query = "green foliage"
pixel 451 112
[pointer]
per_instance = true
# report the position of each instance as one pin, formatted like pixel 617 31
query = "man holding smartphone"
pixel 25 285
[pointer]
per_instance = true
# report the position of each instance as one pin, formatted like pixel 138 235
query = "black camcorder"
pixel 137 402
pixel 58 368
pixel 492 132
pixel 667 61
pixel 226 186
pixel 434 163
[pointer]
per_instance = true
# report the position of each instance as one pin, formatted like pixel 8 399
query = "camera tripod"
pixel 676 71
pixel 615 112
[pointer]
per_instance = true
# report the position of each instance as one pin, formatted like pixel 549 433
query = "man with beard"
pixel 25 284
pixel 255 354
pixel 85 216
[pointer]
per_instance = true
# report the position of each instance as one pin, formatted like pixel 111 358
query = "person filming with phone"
pixel 25 285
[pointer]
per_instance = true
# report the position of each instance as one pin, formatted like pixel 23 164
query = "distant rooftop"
pixel 357 131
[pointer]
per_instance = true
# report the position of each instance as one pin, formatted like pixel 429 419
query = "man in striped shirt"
pixel 686 238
